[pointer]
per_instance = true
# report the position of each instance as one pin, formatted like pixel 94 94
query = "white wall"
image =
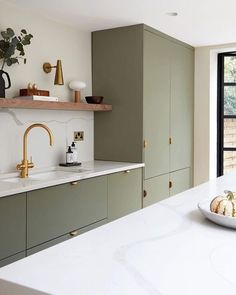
pixel 205 119
pixel 51 41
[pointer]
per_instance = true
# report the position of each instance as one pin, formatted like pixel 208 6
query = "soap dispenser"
pixel 69 156
pixel 75 153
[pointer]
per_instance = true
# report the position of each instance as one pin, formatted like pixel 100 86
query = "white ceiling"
pixel 198 23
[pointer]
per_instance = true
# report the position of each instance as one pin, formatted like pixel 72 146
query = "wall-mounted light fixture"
pixel 47 67
pixel 77 86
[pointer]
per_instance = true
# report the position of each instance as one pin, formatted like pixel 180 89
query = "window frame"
pixel 220 112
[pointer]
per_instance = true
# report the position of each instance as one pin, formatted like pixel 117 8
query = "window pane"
pixel 229 161
pixel 229 133
pixel 230 100
pixel 230 69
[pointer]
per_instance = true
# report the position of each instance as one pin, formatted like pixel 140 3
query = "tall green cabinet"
pixel 147 76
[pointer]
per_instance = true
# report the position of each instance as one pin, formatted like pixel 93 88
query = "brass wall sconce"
pixel 47 67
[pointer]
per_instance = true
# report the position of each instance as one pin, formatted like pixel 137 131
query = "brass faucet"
pixel 25 164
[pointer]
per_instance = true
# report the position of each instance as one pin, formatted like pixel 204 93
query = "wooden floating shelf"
pixel 51 105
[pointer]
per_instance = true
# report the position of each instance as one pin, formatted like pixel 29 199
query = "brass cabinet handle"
pixel 145 143
pixel 144 193
pixel 127 171
pixel 74 233
pixel 170 184
pixel 74 182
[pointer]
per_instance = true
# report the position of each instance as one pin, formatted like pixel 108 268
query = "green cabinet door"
pixel 117 75
pixel 180 181
pixel 181 118
pixel 55 211
pixel 12 225
pixel 156 104
pixel 156 189
pixel 124 193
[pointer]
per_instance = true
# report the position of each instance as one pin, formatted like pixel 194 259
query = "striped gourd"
pixel 224 205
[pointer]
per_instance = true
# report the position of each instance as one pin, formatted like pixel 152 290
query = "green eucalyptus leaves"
pixel 12 46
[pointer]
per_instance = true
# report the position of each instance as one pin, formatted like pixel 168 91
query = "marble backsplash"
pixel 13 123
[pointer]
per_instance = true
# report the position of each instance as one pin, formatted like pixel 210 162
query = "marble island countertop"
pixel 165 249
pixel 39 178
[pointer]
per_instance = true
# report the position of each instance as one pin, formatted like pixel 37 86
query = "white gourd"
pixel 224 205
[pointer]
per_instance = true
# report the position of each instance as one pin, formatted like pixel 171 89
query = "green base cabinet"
pixel 39 219
pixel 58 210
pixel 124 193
pixel 12 258
pixel 64 237
pixel 181 180
pixel 156 189
pixel 12 225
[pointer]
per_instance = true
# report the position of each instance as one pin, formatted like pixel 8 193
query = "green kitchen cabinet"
pixel 180 181
pixel 12 258
pixel 156 117
pixel 55 211
pixel 181 119
pixel 156 189
pixel 117 75
pixel 147 77
pixel 65 237
pixel 124 193
pixel 12 225
pixel 39 219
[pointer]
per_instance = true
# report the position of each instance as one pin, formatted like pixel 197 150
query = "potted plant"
pixel 11 51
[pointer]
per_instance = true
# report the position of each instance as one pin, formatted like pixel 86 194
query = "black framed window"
pixel 226 137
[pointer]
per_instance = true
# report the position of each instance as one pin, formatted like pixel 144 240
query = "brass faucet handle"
pixel 30 164
pixel 20 166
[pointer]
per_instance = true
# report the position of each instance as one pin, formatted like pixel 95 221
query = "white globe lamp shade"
pixel 77 86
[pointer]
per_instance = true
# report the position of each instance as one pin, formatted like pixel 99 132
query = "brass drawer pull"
pixel 145 144
pixel 74 233
pixel 74 182
pixel 127 171
pixel 144 193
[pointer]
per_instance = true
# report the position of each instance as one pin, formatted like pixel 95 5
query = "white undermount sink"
pixel 17 180
pixel 48 175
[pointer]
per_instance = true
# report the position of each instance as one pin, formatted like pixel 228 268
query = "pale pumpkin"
pixel 224 205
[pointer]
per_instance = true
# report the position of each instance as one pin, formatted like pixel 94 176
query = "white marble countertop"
pixel 39 178
pixel 168 248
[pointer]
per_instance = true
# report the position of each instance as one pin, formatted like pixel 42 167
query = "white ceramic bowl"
pixel 227 221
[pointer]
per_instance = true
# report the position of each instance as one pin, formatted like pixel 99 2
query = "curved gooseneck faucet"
pixel 25 164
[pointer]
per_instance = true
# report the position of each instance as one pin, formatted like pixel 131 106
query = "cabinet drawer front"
pixel 157 189
pixel 181 181
pixel 47 245
pixel 12 259
pixel 64 238
pixel 12 225
pixel 55 211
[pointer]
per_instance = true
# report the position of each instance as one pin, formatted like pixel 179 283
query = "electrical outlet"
pixel 78 135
